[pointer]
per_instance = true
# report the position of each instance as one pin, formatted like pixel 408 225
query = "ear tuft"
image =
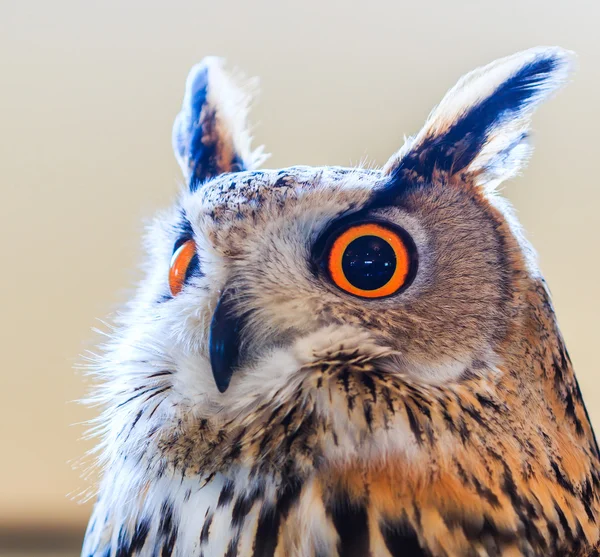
pixel 479 131
pixel 210 134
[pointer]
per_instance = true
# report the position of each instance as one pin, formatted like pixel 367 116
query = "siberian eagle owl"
pixel 346 361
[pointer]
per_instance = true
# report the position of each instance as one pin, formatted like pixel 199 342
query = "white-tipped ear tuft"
pixel 479 130
pixel 210 134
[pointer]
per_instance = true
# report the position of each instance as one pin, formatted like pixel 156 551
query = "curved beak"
pixel 224 340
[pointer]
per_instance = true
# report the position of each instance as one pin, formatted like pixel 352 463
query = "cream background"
pixel 88 92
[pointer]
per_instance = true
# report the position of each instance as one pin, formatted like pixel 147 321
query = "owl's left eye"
pixel 371 260
pixel 183 263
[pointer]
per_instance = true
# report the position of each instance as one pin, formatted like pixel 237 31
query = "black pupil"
pixel 369 262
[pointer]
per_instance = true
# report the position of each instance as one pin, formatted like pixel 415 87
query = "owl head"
pixel 255 276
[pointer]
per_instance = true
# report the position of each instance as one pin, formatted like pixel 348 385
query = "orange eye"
pixel 369 260
pixel 183 261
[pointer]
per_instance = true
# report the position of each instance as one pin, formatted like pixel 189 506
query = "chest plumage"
pixel 347 362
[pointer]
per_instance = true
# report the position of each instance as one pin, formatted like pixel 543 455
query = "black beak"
pixel 224 341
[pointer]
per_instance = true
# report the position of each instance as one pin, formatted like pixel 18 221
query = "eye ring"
pixel 371 260
pixel 182 261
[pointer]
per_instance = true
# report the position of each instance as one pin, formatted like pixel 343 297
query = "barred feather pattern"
pixel 287 476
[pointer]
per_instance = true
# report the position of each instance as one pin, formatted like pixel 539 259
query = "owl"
pixel 346 361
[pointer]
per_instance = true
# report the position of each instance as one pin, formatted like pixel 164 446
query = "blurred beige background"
pixel 88 92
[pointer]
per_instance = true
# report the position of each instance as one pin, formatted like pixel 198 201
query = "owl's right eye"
pixel 183 263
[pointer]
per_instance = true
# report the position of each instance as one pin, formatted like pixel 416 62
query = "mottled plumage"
pixel 444 420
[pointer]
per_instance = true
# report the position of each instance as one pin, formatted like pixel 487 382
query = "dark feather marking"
pixel 587 496
pixel 352 525
pixel 447 417
pixel 387 397
pixel 415 427
pixel 167 529
pixel 276 411
pixel 463 431
pixel 419 399
pixel 334 436
pixel 155 408
pixel 269 520
pixel 486 493
pixel 168 387
pixel 561 479
pixel 267 530
pixel 242 507
pixel 232 548
pixel 236 445
pixel 123 549
pixel 476 415
pixel 423 406
pixel 169 544
pixel 160 373
pixel 553 531
pixel 475 529
pixel 135 421
pixel 563 522
pixel 205 532
pixel 344 377
pixel 417 514
pixel 488 402
pixel 368 412
pixel 401 539
pixel 523 507
pixel 139 535
pixel 368 382
pixel 305 427
pixel 579 537
pixel 579 398
pixel 461 472
pixel 149 390
pixel 287 419
pixel 226 494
